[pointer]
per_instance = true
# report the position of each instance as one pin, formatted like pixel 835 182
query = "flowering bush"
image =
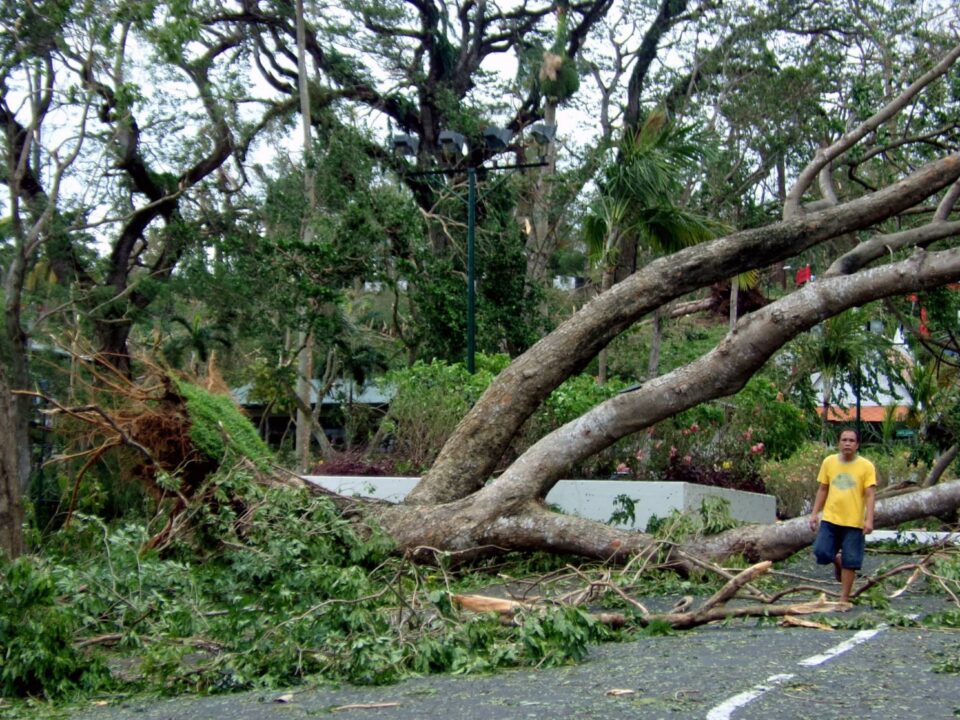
pixel 775 424
pixel 702 452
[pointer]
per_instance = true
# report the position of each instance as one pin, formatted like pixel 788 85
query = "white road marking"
pixel 860 637
pixel 725 710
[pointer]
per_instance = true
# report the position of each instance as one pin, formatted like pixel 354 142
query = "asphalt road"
pixel 743 670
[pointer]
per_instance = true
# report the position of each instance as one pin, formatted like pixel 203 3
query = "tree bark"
pixel 941 465
pixel 11 502
pixel 479 441
pixel 721 372
pixel 478 527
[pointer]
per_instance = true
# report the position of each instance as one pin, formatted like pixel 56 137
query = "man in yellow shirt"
pixel 846 495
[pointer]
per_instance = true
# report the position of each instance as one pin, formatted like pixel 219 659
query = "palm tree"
pixel 637 202
pixel 198 339
pixel 841 345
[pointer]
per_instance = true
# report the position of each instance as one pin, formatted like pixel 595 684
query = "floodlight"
pixel 497 139
pixel 543 133
pixel 405 144
pixel 452 143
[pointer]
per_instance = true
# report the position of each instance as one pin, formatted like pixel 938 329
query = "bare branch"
pixel 827 155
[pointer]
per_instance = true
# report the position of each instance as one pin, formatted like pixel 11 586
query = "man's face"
pixel 848 444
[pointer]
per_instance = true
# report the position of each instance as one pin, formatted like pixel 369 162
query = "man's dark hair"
pixel 855 432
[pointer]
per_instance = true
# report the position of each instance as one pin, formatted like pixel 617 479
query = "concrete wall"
pixel 593 499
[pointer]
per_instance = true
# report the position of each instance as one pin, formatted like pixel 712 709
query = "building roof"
pixel 868 413
pixel 342 391
pixel 872 409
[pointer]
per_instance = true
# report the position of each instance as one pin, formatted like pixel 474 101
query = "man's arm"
pixel 869 499
pixel 818 502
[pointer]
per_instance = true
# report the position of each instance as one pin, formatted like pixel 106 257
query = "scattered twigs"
pixel 606 583
pixel 702 616
pixel 873 580
pixel 94 455
pixel 712 609
pixel 796 589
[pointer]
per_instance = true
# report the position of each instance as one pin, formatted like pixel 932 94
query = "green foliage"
pixel 793 480
pixel 218 428
pixel 558 636
pixel 895 464
pixel 949 662
pixel 624 511
pixel 430 400
pixel 507 308
pixel 575 396
pixel 36 637
pixel 777 423
pixel 294 590
pixel 712 518
pixel 638 191
pixel 564 81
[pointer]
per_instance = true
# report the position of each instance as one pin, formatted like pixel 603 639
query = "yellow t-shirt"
pixel 847 483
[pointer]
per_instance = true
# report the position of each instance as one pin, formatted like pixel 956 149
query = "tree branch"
pixel 826 156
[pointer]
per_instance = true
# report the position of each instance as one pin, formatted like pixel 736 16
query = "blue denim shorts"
pixel 832 539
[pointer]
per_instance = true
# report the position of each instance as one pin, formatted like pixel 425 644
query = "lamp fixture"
pixel 497 139
pixel 452 143
pixel 543 133
pixel 405 144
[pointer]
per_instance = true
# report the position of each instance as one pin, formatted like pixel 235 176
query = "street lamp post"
pixel 471 269
pixel 451 146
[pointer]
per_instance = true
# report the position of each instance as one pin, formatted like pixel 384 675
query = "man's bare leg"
pixel 847 576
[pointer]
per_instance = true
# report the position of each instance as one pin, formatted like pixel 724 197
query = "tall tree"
pixel 27 81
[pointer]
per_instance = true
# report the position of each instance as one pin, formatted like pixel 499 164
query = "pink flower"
pixel 673 452
pixel 694 427
pixel 748 434
pixel 641 454
pixel 623 469
pixel 757 449
pixel 687 460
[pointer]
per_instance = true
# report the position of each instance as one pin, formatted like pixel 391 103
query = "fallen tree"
pixel 456 509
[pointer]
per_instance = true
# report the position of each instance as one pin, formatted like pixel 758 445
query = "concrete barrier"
pixel 592 499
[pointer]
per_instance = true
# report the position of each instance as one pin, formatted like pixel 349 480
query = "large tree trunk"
pixel 11 503
pixel 478 526
pixel 481 438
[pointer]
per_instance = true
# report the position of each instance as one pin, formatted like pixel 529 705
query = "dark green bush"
pixel 37 653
